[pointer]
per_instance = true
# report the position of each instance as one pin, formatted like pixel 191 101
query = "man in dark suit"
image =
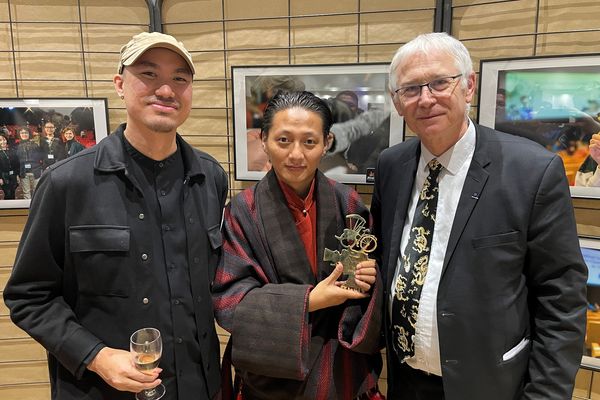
pixel 478 246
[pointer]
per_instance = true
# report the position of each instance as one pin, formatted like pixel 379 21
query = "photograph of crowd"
pixel 555 106
pixel 35 134
pixel 358 97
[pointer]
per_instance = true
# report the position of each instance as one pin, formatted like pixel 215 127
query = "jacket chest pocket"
pixel 100 255
pixel 215 238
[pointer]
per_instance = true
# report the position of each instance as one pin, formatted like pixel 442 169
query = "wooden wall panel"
pixel 236 9
pixel 29 391
pixel 192 10
pixel 199 36
pixel 21 350
pixel 324 31
pixel 302 8
pixel 395 27
pixel 246 34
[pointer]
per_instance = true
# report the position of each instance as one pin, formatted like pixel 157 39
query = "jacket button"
pixel 141 216
pixel 177 302
pixel 144 256
pixel 145 300
pixel 191 220
pixel 179 340
pixel 196 260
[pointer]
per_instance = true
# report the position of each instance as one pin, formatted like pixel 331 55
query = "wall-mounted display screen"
pixel 590 248
pixel 554 101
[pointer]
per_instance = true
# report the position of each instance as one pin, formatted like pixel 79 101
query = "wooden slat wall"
pixel 221 33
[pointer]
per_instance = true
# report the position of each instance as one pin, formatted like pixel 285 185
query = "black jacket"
pixel 78 281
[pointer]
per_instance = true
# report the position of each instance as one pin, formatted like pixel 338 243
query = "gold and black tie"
pixel 413 268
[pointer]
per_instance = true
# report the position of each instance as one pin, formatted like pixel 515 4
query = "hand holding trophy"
pixel 357 242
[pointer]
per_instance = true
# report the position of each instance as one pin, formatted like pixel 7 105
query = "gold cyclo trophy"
pixel 357 242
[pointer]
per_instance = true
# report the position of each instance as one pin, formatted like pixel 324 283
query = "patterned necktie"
pixel 413 267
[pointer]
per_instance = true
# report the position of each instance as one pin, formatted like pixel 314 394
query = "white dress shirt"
pixel 456 162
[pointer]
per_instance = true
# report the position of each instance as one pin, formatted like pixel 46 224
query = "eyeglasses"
pixel 436 87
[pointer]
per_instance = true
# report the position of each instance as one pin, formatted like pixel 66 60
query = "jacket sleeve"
pixel 35 292
pixel 268 322
pixel 556 276
pixel 360 326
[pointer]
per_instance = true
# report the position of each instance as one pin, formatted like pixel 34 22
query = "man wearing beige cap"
pixel 132 242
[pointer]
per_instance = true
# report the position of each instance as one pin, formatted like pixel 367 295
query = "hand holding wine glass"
pixel 146 346
pixel 116 368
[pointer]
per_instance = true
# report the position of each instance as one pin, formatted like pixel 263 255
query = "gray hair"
pixel 427 43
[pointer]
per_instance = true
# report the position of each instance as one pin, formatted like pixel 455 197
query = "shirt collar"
pixel 455 157
pixel 295 201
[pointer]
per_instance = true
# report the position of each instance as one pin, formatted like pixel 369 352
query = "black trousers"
pixel 414 384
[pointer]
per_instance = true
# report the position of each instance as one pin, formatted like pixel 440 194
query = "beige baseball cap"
pixel 144 41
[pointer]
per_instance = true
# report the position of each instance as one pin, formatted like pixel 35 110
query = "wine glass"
pixel 146 346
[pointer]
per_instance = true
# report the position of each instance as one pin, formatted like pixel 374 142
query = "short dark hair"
pixel 348 93
pixel 305 100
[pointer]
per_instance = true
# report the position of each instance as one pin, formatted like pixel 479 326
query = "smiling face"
pixel 49 129
pixel 68 134
pixel 157 91
pixel 295 144
pixel 439 120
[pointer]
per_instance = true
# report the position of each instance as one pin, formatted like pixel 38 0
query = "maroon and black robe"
pixel 260 293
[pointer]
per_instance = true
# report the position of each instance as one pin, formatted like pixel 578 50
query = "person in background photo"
pixel 351 99
pixel 295 333
pixel 9 169
pixel 30 163
pixel 589 172
pixel 262 90
pixel 72 146
pixel 572 152
pixel 53 150
pixel 484 280
pixel 126 235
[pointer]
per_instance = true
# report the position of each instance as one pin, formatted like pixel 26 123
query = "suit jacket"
pixel 512 270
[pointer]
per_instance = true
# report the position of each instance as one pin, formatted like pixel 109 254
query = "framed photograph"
pixel 590 249
pixel 365 120
pixel 36 133
pixel 554 101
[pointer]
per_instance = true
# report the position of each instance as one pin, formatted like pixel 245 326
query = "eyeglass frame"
pixel 427 84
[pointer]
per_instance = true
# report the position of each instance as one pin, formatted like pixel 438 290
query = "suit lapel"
pixel 405 181
pixel 472 190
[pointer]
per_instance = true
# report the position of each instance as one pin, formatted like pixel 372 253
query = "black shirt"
pixel 170 299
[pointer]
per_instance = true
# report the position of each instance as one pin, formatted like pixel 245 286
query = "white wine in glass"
pixel 146 346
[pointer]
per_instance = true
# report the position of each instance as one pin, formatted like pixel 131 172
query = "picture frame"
pixel 590 250
pixel 553 100
pixel 86 118
pixel 365 123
